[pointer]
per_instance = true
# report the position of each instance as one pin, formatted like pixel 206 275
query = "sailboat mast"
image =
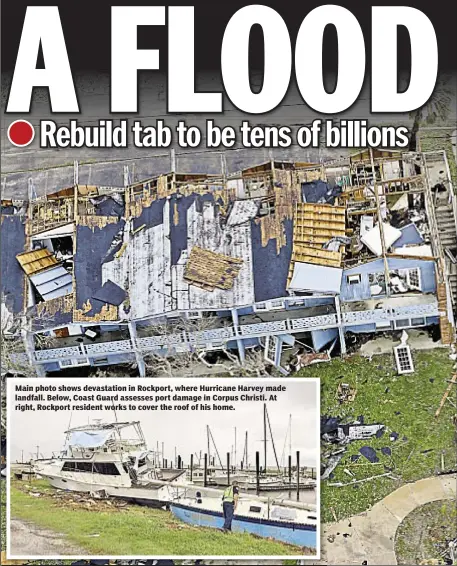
pixel 265 437
pixel 209 447
pixel 290 435
pixel 247 464
pixel 234 461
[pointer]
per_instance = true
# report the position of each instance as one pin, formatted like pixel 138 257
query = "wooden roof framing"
pixel 210 270
pixel 37 260
pixel 314 226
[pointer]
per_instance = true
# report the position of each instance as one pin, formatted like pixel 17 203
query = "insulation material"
pixel 372 239
pixel 209 270
pixel 317 278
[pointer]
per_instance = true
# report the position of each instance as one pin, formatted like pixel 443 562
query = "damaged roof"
pixel 36 260
pixel 208 270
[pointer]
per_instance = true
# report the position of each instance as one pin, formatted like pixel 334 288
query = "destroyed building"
pixel 276 253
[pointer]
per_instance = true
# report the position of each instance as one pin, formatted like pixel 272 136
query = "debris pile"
pixel 336 435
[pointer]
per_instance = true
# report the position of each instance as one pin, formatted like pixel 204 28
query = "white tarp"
pixel 318 278
pixel 89 438
pixel 372 239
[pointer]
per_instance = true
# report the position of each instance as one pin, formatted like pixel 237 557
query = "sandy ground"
pixel 27 539
pixel 417 339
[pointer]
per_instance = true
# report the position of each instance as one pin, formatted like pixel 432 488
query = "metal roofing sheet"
pixel 308 277
pixel 52 283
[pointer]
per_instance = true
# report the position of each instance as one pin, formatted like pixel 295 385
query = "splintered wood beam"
pixel 452 382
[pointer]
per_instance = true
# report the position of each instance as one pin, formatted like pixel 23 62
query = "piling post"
pixel 290 472
pixel 179 462
pixel 257 471
pixel 228 468
pixel 205 471
pixel 298 475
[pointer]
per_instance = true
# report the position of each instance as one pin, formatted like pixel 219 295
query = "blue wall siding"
pixel 323 337
pixel 361 291
pixel 361 328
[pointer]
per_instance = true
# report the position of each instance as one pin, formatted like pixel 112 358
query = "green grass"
pixel 135 530
pixel 425 532
pixel 406 405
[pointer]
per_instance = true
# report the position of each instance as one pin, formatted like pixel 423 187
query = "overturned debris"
pixel 345 393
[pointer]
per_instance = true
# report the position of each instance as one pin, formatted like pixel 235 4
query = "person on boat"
pixel 229 504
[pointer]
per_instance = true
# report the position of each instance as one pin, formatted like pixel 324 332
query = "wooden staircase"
pixel 446 328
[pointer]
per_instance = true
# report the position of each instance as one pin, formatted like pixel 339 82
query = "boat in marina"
pixel 111 459
pixel 288 521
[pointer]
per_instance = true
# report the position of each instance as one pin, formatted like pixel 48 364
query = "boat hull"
pixel 298 535
pixel 143 496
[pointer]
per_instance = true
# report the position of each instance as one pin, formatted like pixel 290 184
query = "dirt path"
pixel 27 539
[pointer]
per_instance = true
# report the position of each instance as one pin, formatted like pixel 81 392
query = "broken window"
pixel 377 282
pixel 404 280
pixel 404 359
pixel 354 279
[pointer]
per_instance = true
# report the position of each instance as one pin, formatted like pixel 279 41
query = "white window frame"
pixel 79 362
pixel 413 277
pixel 261 307
pixel 402 350
pixel 411 274
pixel 354 279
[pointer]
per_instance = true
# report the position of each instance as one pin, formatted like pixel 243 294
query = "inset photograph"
pixel 172 468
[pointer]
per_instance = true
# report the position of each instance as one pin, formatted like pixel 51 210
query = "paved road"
pixel 27 539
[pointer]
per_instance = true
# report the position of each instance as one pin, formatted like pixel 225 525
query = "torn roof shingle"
pixel 110 293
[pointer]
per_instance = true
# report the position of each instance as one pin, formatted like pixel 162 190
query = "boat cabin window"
pixel 312 517
pixel 77 467
pixel 255 509
pixel 106 468
pixel 141 462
